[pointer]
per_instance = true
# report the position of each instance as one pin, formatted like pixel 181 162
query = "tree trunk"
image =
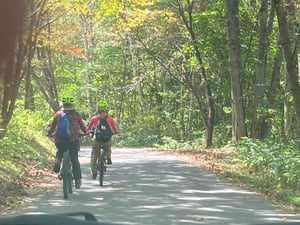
pixel 190 117
pixel 33 29
pixel 86 31
pixel 287 107
pixel 290 55
pixel 259 89
pixel 135 73
pixel 275 80
pixel 207 117
pixel 274 87
pixel 232 13
pixel 45 80
pixel 11 58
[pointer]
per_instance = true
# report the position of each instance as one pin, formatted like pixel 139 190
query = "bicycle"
pixel 66 175
pixel 102 164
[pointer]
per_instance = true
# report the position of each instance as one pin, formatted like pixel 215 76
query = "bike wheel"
pixel 66 185
pixel 70 188
pixel 101 166
pixel 66 174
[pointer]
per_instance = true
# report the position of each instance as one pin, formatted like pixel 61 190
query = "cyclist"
pixel 102 112
pixel 72 143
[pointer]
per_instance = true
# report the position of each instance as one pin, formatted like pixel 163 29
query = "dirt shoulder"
pixel 34 181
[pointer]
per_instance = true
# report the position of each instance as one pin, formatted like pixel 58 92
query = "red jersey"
pixel 77 123
pixel 94 120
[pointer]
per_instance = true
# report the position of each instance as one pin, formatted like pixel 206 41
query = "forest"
pixel 181 74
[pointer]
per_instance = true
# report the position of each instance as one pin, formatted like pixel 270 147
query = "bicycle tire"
pixel 66 175
pixel 66 188
pixel 70 188
pixel 101 166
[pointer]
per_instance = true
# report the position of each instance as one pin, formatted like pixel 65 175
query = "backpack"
pixel 64 129
pixel 103 131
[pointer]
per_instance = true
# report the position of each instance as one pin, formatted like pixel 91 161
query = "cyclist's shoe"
pixel 77 184
pixel 94 175
pixel 56 167
pixel 109 162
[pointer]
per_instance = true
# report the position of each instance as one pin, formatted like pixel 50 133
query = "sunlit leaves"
pixel 274 161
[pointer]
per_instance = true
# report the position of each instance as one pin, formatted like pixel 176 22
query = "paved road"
pixel 149 187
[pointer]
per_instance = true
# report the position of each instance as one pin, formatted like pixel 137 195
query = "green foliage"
pixel 140 138
pixel 25 145
pixel 278 164
pixel 222 135
pixel 136 139
pixel 169 143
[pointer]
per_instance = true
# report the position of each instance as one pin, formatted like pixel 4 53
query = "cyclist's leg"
pixel 61 146
pixel 94 157
pixel 73 149
pixel 107 149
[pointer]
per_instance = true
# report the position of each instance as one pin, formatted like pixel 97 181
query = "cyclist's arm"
pixel 112 125
pixel 53 124
pixel 81 124
pixel 92 123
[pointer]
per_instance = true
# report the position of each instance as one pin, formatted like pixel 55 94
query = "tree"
pixel 290 54
pixel 207 110
pixel 238 114
pixel 34 26
pixel 42 69
pixel 261 61
pixel 87 33
pixel 11 57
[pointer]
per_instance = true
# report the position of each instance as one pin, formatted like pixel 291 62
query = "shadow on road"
pixel 148 187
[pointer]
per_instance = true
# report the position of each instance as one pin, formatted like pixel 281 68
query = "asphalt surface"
pixel 150 188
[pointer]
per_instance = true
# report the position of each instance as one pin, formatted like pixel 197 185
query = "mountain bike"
pixel 66 175
pixel 102 164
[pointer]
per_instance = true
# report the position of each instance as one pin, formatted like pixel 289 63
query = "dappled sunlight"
pixel 161 189
pixel 218 191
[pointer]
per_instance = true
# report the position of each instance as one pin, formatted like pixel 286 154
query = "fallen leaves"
pixel 34 180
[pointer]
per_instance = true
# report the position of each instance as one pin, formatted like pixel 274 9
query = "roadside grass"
pixel 287 197
pixel 21 152
pixel 26 157
pixel 225 162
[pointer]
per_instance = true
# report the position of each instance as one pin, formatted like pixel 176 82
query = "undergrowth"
pixel 270 167
pixel 25 145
